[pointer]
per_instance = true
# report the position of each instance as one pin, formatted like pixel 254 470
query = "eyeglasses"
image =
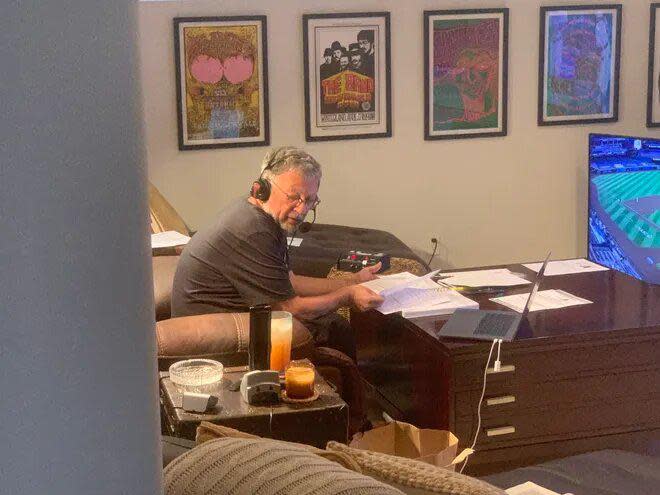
pixel 310 203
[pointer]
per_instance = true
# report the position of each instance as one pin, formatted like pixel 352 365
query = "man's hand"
pixel 367 273
pixel 362 298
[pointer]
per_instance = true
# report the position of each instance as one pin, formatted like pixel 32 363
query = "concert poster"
pixel 465 73
pixel 579 64
pixel 347 80
pixel 222 88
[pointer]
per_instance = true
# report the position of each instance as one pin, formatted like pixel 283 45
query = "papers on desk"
pixel 416 296
pixel 171 238
pixel 499 277
pixel 544 299
pixel 529 488
pixel 565 267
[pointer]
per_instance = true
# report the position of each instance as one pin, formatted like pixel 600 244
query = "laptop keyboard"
pixel 494 324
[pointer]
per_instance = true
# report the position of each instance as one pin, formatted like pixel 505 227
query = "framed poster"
pixel 221 81
pixel 579 52
pixel 347 76
pixel 653 88
pixel 465 73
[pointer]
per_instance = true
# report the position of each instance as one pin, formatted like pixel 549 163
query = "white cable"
pixel 481 399
pixel 498 363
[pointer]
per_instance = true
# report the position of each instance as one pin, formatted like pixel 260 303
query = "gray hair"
pixel 285 158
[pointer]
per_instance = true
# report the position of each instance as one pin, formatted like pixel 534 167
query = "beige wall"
pixel 487 200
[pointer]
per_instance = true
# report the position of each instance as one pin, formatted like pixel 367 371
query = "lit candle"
pixel 299 380
pixel 281 328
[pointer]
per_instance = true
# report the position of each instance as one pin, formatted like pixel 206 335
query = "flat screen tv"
pixel 624 204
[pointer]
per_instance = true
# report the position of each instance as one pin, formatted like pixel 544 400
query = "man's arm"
pixel 305 308
pixel 312 286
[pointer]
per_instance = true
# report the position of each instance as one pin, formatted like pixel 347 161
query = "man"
pixel 355 58
pixel 327 68
pixel 343 61
pixel 365 39
pixel 336 52
pixel 242 259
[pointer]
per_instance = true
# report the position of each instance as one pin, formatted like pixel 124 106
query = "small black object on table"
pixel 314 423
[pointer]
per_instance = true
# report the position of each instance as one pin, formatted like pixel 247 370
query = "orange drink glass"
pixel 299 379
pixel 281 330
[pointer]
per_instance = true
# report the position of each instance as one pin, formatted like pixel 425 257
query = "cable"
pixel 434 241
pixel 481 399
pixel 498 364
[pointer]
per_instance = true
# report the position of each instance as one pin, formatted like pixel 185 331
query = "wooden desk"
pixel 578 379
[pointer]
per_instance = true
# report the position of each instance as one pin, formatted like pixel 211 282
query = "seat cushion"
pixel 243 466
pixel 605 472
pixel 324 244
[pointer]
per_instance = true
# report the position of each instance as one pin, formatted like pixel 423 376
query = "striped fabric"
pixel 241 466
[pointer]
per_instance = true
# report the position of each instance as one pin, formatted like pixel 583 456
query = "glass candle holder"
pixel 281 330
pixel 299 378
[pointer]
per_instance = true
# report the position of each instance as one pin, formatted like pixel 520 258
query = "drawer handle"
pixel 504 399
pixel 503 430
pixel 505 368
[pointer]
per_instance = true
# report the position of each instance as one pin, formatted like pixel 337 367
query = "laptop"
pixel 490 324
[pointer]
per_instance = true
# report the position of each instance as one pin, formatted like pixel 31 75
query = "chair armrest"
pixel 220 336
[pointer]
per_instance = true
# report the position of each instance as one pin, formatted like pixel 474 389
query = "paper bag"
pixel 436 447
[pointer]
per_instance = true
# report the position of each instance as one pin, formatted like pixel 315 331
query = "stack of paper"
pixel 565 267
pixel 416 296
pixel 499 277
pixel 545 299
pixel 171 238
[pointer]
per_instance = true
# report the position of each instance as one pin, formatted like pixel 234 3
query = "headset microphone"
pixel 307 226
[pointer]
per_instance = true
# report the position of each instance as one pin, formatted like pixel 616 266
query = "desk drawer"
pixel 552 363
pixel 583 420
pixel 505 398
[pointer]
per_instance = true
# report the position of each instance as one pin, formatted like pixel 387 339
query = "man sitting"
pixel 242 259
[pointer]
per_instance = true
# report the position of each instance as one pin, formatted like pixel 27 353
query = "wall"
pixel 79 384
pixel 487 200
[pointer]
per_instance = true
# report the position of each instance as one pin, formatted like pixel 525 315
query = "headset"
pixel 261 190
pixel 261 187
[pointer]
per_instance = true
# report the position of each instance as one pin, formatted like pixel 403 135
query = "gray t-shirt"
pixel 239 261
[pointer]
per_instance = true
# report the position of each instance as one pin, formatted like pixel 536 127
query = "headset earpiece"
pixel 260 189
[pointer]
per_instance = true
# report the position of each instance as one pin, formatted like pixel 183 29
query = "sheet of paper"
pixel 389 282
pixel 544 299
pixel 410 297
pixel 295 241
pixel 170 238
pixel 564 267
pixel 452 301
pixel 529 488
pixel 499 277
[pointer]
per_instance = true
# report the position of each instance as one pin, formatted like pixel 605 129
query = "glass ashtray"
pixel 196 375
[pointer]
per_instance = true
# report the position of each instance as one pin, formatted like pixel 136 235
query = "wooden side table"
pixel 314 423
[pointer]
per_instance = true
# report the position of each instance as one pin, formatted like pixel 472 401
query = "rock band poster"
pixel 222 81
pixel 465 61
pixel 579 51
pixel 347 76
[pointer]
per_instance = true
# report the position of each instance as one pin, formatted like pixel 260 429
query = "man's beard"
pixel 288 228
